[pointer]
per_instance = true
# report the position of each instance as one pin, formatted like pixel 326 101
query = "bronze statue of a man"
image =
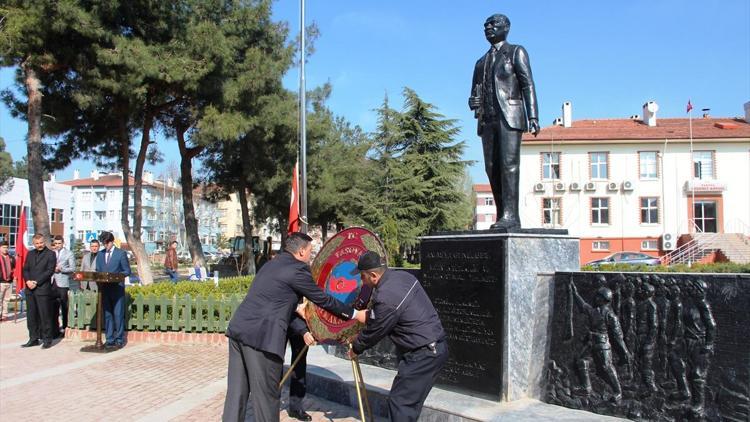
pixel 504 102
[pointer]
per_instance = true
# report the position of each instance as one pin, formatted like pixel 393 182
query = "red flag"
pixel 294 202
pixel 689 107
pixel 21 251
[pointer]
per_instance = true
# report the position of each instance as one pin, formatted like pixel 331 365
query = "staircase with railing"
pixel 734 246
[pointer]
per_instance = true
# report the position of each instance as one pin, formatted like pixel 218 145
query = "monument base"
pixel 484 287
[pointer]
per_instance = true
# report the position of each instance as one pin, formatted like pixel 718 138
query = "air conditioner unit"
pixel 668 241
pixel 560 187
pixel 612 186
pixel 539 187
pixel 627 185
pixel 590 186
pixel 575 186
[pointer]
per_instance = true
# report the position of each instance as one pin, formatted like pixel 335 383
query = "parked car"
pixel 630 258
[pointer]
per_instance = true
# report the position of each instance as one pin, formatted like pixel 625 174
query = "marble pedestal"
pixel 484 286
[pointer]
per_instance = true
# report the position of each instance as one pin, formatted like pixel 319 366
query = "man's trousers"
pixel 417 372
pixel 39 317
pixel 253 370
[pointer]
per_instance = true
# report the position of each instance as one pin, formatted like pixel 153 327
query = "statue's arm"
pixel 526 82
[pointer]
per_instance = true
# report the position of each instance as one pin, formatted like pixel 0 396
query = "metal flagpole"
pixel 303 129
pixel 692 163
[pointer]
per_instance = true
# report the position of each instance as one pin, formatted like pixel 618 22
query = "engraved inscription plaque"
pixel 464 279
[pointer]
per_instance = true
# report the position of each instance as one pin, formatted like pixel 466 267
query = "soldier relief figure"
pixel 664 332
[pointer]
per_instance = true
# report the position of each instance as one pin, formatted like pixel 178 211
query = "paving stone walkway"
pixel 141 382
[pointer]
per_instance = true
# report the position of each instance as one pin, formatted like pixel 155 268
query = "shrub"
pixel 227 286
pixel 721 267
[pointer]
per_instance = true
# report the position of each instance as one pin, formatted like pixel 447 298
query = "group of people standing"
pixel 48 273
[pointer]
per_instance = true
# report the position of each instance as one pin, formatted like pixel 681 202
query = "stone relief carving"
pixel 664 332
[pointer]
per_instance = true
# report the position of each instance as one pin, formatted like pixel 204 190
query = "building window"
pixel 550 165
pixel 86 195
pixel 647 164
pixel 704 214
pixel 489 218
pixel 489 201
pixel 600 245
pixel 80 235
pixel 598 165
pixel 101 196
pixel 101 215
pixel 649 210
pixel 600 210
pixel 649 245
pixel 551 211
pixel 86 215
pixel 703 164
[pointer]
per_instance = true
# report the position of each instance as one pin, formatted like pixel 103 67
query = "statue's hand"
pixel 534 126
pixel 474 103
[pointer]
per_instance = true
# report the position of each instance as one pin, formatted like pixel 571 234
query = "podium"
pixel 100 278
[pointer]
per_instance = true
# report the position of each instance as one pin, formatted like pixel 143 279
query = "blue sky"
pixel 607 58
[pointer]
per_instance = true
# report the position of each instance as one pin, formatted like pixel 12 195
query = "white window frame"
pixel 649 170
pixel 649 208
pixel 598 209
pixel 600 245
pixel 705 164
pixel 598 165
pixel 550 165
pixel 649 245
pixel 552 207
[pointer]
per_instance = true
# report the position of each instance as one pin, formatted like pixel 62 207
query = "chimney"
pixel 705 113
pixel 95 174
pixel 52 178
pixel 567 112
pixel 649 113
pixel 635 117
pixel 148 177
pixel 76 174
pixel 747 112
pixel 557 122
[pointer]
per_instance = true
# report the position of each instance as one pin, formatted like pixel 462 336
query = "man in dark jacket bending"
pixel 258 330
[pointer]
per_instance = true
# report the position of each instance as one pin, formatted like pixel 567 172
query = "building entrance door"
pixel 705 216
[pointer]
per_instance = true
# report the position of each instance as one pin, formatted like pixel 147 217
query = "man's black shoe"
pixel 113 346
pixel 46 345
pixel 299 415
pixel 31 343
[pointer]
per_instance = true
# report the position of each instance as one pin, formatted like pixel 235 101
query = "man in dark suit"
pixel 504 102
pixel 113 260
pixel 258 330
pixel 37 271
pixel 7 266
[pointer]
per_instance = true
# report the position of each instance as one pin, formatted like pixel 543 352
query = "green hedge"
pixel 723 267
pixel 227 286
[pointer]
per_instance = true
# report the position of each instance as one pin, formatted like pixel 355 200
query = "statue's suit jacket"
pixel 514 87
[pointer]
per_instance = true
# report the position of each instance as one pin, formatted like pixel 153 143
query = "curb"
pixel 153 337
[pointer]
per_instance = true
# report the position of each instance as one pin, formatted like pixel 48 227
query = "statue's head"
pixel 496 28
pixel 699 288
pixel 646 291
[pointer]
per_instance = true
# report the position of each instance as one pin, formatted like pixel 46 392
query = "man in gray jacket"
pixel 88 263
pixel 61 283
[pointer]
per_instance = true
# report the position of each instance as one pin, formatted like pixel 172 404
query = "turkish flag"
pixel 294 202
pixel 689 107
pixel 21 251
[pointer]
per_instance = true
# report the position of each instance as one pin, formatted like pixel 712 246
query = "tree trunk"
pixel 247 231
pixel 186 178
pixel 39 212
pixel 134 241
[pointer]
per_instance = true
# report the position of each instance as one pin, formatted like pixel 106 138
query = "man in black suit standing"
pixel 37 271
pixel 504 102
pixel 258 330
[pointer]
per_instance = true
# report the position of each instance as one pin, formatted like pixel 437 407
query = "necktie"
pixel 106 256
